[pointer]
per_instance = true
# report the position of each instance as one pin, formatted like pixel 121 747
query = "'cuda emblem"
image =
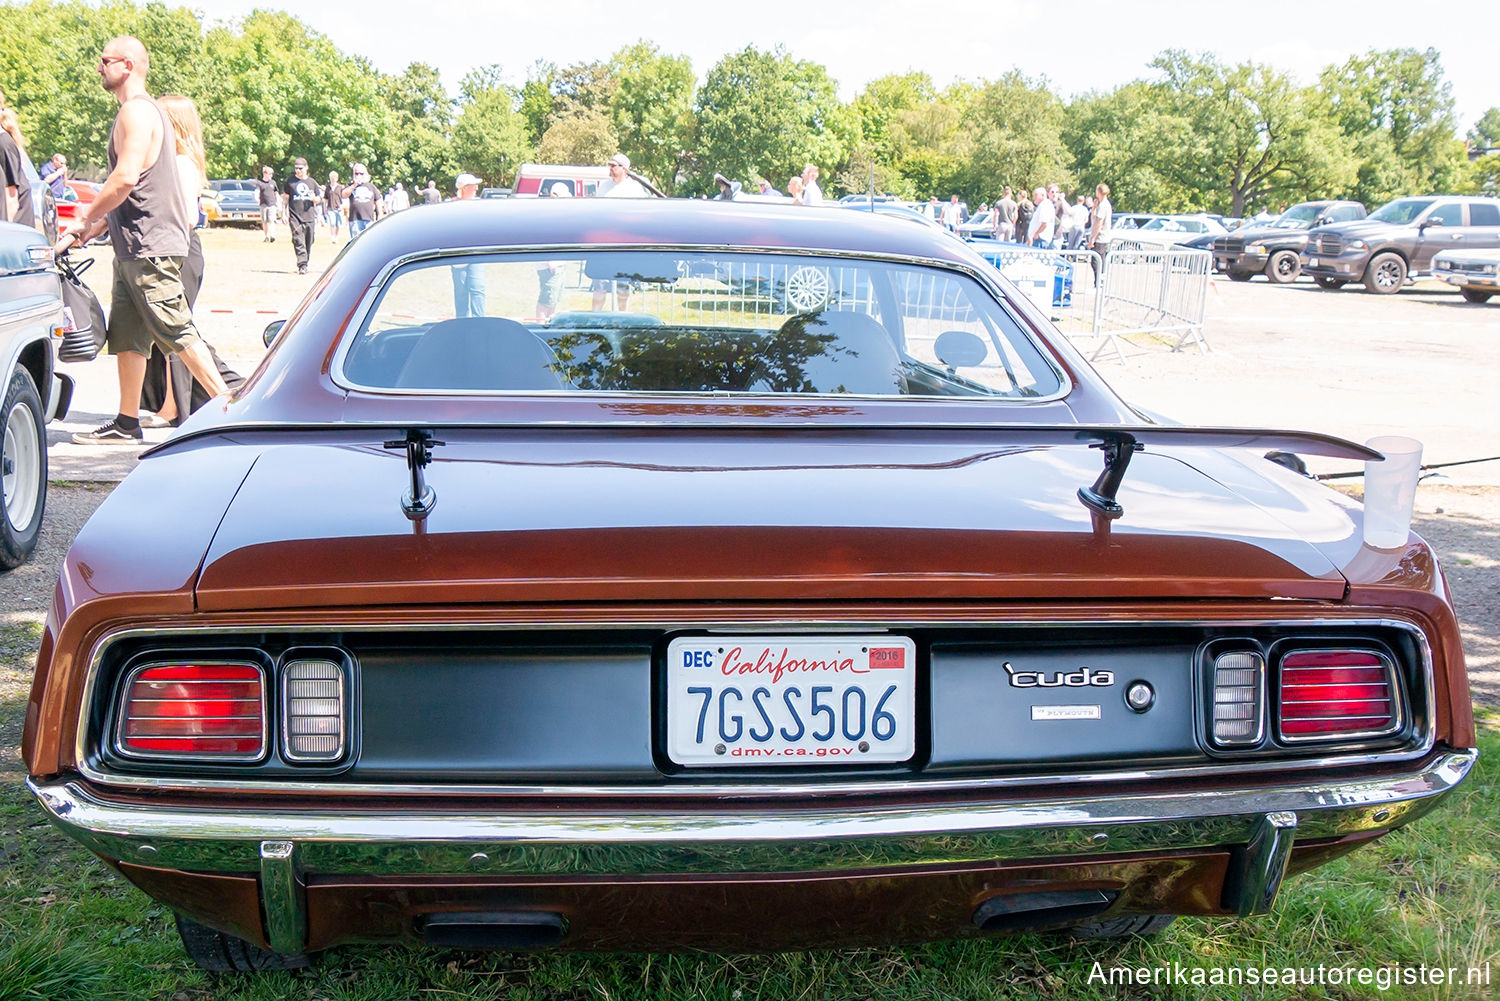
pixel 1084 677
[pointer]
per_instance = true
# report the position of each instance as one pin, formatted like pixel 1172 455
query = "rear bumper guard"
pixel 1259 823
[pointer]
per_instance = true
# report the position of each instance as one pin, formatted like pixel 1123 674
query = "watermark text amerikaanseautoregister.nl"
pixel 1383 977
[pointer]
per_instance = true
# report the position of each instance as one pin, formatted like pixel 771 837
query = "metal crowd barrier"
pixel 1147 290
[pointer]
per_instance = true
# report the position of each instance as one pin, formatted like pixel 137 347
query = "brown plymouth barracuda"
pixel 671 575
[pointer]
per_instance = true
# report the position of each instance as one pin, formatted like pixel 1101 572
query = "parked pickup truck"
pixel 1274 248
pixel 1399 240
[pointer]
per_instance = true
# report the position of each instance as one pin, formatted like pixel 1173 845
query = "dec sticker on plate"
pixel 790 700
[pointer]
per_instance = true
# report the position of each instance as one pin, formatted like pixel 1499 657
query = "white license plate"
pixel 791 700
pixel 1312 262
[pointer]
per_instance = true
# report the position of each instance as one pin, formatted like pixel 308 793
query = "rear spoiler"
pixel 1118 442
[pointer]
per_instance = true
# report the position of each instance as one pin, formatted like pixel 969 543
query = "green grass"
pixel 1427 895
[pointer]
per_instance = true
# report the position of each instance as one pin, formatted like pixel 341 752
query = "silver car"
pixel 1475 272
pixel 31 310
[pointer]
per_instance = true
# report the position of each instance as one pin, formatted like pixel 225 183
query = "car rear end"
pixel 662 738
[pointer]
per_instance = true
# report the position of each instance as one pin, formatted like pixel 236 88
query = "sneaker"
pixel 108 434
pixel 302 269
pixel 155 421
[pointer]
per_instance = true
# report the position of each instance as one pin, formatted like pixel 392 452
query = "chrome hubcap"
pixel 21 465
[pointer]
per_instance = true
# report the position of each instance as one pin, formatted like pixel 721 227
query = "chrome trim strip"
pixel 366 306
pixel 281 897
pixel 722 840
pixel 1262 865
pixel 1422 728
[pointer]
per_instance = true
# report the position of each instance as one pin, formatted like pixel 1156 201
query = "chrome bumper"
pixel 1469 279
pixel 282 846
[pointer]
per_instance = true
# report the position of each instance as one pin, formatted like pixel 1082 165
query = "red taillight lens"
pixel 195 711
pixel 1337 693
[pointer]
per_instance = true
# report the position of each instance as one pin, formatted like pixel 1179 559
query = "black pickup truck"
pixel 1272 249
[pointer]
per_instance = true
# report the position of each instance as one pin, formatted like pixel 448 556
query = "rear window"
pixel 692 322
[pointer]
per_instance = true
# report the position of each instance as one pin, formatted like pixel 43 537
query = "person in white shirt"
pixel 811 193
pixel 952 214
pixel 620 183
pixel 1078 224
pixel 1043 220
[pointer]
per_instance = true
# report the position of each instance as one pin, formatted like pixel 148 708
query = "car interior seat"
pixel 479 352
pixel 838 352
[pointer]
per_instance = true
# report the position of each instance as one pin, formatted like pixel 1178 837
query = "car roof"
pixel 521 224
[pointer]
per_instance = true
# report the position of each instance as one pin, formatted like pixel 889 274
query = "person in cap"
pixel 620 183
pixel 468 279
pixel 363 198
pixel 299 201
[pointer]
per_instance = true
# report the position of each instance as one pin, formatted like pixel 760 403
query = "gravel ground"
pixel 1420 363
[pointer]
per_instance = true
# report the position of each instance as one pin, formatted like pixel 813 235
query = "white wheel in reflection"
pixel 807 288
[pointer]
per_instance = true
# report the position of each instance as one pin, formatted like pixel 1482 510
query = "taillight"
pixel 1239 685
pixel 194 711
pixel 313 700
pixel 1334 694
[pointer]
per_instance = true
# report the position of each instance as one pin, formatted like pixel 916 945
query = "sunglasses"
pixel 106 60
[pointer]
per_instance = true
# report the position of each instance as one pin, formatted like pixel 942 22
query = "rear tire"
pixel 1140 924
pixel 1385 274
pixel 1240 276
pixel 1331 284
pixel 1283 267
pixel 23 469
pixel 221 953
pixel 1476 295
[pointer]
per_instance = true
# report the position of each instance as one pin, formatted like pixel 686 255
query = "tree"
pixel 1486 132
pixel 652 109
pixel 1396 109
pixel 764 114
pixel 1011 134
pixel 584 137
pixel 489 137
pixel 47 69
pixel 1209 136
pixel 279 90
pixel 421 144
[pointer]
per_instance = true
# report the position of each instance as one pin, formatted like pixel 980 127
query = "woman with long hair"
pixel 168 379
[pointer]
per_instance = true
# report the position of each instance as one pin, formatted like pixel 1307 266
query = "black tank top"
pixel 152 220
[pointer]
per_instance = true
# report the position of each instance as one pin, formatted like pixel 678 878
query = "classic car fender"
pixel 103 582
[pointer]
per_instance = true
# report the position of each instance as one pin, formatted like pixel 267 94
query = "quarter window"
pixel 1484 214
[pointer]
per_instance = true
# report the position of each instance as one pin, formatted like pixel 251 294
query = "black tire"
pixel 23 469
pixel 220 953
pixel 1140 924
pixel 1385 274
pixel 1240 276
pixel 1476 295
pixel 1331 284
pixel 1283 267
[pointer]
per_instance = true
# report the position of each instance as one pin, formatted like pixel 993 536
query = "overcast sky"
pixel 1109 43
